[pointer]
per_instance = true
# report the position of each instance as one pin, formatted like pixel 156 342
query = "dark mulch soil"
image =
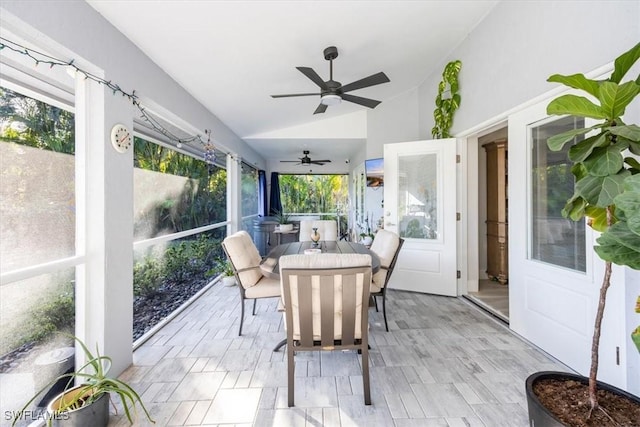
pixel 148 311
pixel 568 400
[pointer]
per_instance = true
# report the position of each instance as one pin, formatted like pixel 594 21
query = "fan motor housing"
pixel 330 53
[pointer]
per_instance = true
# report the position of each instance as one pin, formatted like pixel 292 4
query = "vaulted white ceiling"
pixel 232 55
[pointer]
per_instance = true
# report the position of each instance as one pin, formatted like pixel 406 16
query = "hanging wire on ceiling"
pixel 43 58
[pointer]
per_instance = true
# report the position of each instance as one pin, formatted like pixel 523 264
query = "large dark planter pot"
pixel 539 416
pixel 95 415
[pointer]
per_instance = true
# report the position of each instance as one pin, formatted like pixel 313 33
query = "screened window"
pixel 554 239
pixel 174 194
pixel 249 182
pixel 174 191
pixel 321 194
pixel 37 227
pixel 37 213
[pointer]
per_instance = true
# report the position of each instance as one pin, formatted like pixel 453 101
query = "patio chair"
pixel 328 230
pixel 245 259
pixel 386 245
pixel 326 307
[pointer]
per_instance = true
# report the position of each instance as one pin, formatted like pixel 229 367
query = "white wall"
pixel 395 120
pixel 507 58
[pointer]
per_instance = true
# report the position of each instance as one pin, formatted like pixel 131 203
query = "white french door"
pixel 552 289
pixel 420 205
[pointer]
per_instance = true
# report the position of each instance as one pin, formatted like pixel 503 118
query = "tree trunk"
pixel 595 344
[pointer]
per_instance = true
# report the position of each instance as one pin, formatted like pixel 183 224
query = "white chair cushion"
pixel 265 288
pixel 328 262
pixel 384 245
pixel 244 254
pixel 328 230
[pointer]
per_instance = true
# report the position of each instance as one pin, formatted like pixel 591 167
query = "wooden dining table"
pixel 271 268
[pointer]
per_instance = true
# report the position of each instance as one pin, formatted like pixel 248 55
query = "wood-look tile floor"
pixel 443 363
pixel 494 297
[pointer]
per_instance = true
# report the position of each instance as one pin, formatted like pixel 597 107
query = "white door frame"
pixel 468 254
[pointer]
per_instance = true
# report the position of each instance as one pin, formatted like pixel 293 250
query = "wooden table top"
pixel 270 267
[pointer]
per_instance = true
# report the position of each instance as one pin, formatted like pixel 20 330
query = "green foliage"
pixel 621 242
pixel 223 266
pixel 36 124
pixel 446 106
pixel 180 261
pixel 56 313
pixel 605 180
pixel 414 230
pixel 249 190
pixel 313 193
pixel 282 218
pixel 94 383
pixel 202 200
pixel 147 276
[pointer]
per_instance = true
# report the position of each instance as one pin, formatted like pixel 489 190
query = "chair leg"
pixel 290 374
pixel 365 375
pixel 375 301
pixel 384 310
pixel 241 316
pixel 280 345
pixel 253 313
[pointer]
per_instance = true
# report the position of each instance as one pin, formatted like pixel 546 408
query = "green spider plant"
pixel 94 384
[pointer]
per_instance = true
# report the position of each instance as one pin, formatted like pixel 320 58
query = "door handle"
pixel 390 224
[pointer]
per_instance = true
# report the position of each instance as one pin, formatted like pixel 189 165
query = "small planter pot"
pixel 540 416
pixel 367 241
pixel 229 280
pixel 285 227
pixel 96 414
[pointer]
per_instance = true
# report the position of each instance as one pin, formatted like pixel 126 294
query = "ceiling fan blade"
pixel 372 80
pixel 295 94
pixel 371 103
pixel 289 161
pixel 321 109
pixel 313 76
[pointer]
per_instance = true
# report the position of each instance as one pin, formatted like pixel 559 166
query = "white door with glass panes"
pixel 420 206
pixel 552 286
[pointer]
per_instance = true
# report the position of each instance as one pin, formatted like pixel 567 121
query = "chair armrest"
pixel 247 269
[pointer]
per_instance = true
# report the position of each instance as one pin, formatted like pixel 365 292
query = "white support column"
pixel 234 195
pixel 104 291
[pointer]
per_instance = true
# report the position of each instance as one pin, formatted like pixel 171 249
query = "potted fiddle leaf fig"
pixel 86 404
pixel 607 192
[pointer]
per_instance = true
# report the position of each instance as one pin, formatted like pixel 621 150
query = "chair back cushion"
pixel 328 229
pixel 384 245
pixel 325 296
pixel 244 257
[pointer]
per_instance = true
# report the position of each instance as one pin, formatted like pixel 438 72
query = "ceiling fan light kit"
pixel 330 99
pixel 333 92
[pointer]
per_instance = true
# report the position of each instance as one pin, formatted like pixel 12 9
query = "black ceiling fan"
pixel 332 92
pixel 306 160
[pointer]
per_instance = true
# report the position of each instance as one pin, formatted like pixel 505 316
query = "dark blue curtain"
pixel 262 193
pixel 275 204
